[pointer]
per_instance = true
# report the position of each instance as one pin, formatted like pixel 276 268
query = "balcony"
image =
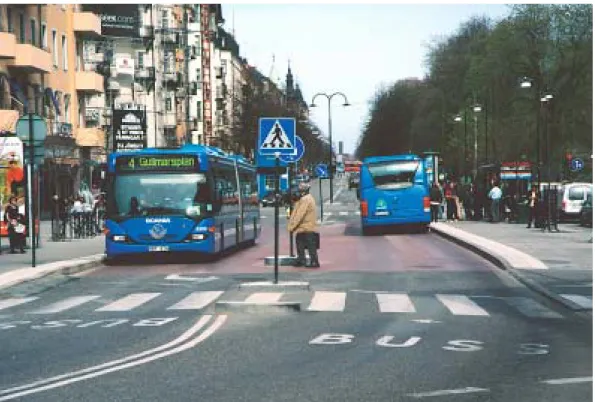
pixel 31 59
pixel 170 76
pixel 8 43
pixel 89 81
pixel 169 37
pixel 87 24
pixel 146 73
pixel 90 137
pixel 170 120
pixel 146 31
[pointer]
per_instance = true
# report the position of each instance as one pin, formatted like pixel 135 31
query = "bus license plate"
pixel 158 248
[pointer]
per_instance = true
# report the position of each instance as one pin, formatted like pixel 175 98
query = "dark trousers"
pixel 451 209
pixel 532 217
pixel 307 241
pixel 435 209
pixel 16 240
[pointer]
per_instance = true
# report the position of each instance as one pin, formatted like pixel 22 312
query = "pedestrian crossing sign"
pixel 276 136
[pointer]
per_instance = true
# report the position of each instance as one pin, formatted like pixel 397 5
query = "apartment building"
pixel 41 72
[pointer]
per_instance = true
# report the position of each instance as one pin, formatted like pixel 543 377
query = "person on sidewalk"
pixel 11 214
pixel 450 202
pixel 302 223
pixel 533 199
pixel 495 195
pixel 435 201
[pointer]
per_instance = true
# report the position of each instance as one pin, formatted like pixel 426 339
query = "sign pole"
pixel 276 219
pixel 321 199
pixel 29 191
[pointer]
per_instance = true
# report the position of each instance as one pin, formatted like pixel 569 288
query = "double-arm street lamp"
pixel 330 131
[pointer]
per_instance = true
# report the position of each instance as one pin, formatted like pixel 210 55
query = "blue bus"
pixel 394 190
pixel 191 199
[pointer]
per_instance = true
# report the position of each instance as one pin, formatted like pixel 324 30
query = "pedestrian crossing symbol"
pixel 277 135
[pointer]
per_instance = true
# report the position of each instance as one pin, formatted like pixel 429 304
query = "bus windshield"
pixel 162 194
pixel 393 175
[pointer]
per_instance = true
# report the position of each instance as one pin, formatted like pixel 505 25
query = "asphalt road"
pixel 393 317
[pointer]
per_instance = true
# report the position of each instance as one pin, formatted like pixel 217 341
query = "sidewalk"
pixel 51 257
pixel 557 264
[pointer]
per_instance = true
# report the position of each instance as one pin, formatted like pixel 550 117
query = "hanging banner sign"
pixel 130 130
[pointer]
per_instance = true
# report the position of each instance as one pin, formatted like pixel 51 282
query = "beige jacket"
pixel 303 217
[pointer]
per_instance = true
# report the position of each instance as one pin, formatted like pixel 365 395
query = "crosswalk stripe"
pixel 7 303
pixel 343 213
pixel 583 301
pixel 461 305
pixel 65 304
pixel 196 300
pixel 531 308
pixel 394 303
pixel 263 298
pixel 328 301
pixel 129 302
pixel 357 212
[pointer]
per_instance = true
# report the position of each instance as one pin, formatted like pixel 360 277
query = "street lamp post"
pixel 545 102
pixel 330 132
pixel 464 119
pixel 476 109
pixel 527 83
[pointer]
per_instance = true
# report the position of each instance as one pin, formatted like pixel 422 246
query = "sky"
pixel 351 48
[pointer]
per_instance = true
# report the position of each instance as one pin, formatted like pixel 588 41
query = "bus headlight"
pixel 198 236
pixel 119 238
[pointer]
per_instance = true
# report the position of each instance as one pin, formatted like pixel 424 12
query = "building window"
pixel 22 37
pixel 77 59
pixel 168 105
pixel 9 19
pixel 33 32
pixel 82 111
pixel 199 110
pixel 140 60
pixel 55 47
pixel 67 108
pixel 1 21
pixel 64 53
pixel 164 19
pixel 44 36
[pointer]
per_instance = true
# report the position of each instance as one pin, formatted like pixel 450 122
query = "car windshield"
pixel 577 193
pixel 162 194
pixel 393 174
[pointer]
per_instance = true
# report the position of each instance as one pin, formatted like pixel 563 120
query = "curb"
pixel 24 275
pixel 503 264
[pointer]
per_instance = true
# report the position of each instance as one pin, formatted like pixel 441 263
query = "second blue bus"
pixel 393 190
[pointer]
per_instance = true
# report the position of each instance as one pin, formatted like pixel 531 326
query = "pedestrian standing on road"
pixel 302 223
pixel 495 195
pixel 532 198
pixel 11 214
pixel 435 201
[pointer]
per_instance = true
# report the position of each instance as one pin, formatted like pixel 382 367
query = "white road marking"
pixel 129 302
pixel 328 301
pixel 177 277
pixel 583 301
pixel 357 212
pixel 219 321
pixel 395 303
pixel 343 213
pixel 461 305
pixel 531 308
pixel 562 381
pixel 449 392
pixel 7 303
pixel 65 304
pixel 327 213
pixel 426 321
pixel 182 338
pixel 263 298
pixel 196 300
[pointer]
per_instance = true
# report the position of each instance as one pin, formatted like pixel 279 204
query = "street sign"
pixel 39 129
pixel 321 171
pixel 300 150
pixel 276 135
pixel 577 164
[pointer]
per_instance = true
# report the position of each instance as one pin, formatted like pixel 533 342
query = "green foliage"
pixel 483 63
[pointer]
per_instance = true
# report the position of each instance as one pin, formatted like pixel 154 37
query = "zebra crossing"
pixel 316 301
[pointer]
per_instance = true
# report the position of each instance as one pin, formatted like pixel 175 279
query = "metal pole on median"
pixel 277 199
pixel 289 177
pixel 29 190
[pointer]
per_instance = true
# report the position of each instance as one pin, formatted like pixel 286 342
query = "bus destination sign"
pixel 157 163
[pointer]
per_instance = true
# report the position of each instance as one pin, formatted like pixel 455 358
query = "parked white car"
pixel 571 197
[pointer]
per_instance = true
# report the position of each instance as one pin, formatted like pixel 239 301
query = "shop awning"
pixel 52 96
pixel 8 121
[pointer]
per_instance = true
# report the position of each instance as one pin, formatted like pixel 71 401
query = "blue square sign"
pixel 276 135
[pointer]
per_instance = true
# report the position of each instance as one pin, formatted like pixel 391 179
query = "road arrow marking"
pixel 177 277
